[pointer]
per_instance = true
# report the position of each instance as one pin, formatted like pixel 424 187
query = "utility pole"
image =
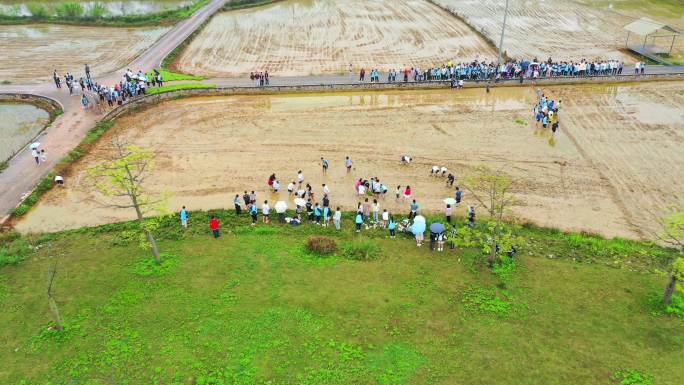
pixel 503 29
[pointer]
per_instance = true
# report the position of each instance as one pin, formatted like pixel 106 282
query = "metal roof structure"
pixel 646 26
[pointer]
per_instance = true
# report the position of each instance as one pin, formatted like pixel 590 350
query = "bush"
pixel 69 10
pixel 321 245
pixel 97 11
pixel 38 11
pixel 14 252
pixel 361 250
pixel 631 377
pixel 676 307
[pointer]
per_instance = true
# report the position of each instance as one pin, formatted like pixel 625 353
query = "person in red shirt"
pixel 214 226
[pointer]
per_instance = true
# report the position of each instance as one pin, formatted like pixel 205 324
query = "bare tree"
pixel 492 190
pixel 673 235
pixel 52 271
pixel 121 176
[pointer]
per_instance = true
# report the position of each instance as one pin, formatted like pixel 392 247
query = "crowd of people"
pixel 514 69
pixel 308 207
pixel 259 79
pixel 131 85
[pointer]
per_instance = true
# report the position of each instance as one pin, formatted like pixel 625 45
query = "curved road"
pixel 67 131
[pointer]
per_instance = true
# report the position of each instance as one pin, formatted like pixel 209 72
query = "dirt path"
pixel 594 175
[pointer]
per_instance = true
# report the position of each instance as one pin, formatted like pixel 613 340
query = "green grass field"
pixel 255 307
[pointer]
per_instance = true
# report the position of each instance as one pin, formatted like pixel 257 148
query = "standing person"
pixel 458 195
pixel 391 226
pixel 450 179
pixel 300 177
pixel 265 211
pixel 290 188
pixel 326 190
pixel 385 217
pixel 326 216
pixel 337 218
pixel 358 221
pixel 214 225
pixel 324 164
pixel 87 71
pixel 252 198
pixel 253 212
pixel 376 211
pixel 440 242
pixel 245 198
pixel 309 210
pixel 276 186
pixel 236 201
pixel 366 209
pixel 362 74
pixel 184 218
pixel 351 73
pixel 348 163
pixel 317 214
pixel 397 192
pixel 447 213
pixel 637 66
pixel 642 67
pixel 414 209
pixel 35 155
pixel 84 101
pixel 419 239
pixel 43 156
pixel 471 216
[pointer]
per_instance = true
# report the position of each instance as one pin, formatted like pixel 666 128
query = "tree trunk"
pixel 669 290
pixel 55 313
pixel 153 246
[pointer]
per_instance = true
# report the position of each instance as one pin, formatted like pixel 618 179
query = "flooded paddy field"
pixel 20 123
pixel 566 30
pixel 616 157
pixel 108 8
pixel 325 36
pixel 31 52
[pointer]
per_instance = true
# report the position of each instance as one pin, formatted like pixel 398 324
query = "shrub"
pixel 14 251
pixel 3 165
pixel 38 11
pixel 97 11
pixel 676 306
pixel 321 245
pixel 631 377
pixel 69 10
pixel 361 250
pixel 482 300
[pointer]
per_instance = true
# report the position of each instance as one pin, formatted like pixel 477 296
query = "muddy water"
pixel 325 36
pixel 31 52
pixel 19 124
pixel 609 162
pixel 112 7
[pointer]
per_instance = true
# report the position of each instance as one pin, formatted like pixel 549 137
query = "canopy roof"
pixel 646 26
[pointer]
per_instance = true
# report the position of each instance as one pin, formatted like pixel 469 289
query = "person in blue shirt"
pixel 324 164
pixel 358 220
pixel 326 216
pixel 253 213
pixel 184 217
pixel 317 213
pixel 458 195
pixel 391 226
pixel 414 209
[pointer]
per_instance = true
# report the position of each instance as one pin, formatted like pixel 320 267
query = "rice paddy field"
pixel 323 36
pixel 567 30
pixel 616 158
pixel 30 53
pixel 19 124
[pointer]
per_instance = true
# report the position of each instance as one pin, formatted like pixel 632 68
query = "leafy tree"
pixel 120 177
pixel 492 190
pixel 673 235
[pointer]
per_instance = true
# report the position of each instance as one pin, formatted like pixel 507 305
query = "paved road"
pixel 69 129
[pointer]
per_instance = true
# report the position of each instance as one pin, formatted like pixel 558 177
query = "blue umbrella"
pixel 418 228
pixel 437 228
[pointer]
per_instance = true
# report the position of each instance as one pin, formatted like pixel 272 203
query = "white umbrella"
pixel 280 207
pixel 419 219
pixel 35 145
pixel 300 202
pixel 449 201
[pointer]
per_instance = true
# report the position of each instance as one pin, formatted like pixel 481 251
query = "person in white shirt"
pixel 362 189
pixel 290 188
pixel 276 186
pixel 337 218
pixel 326 189
pixel 300 177
pixel 35 155
pixel 265 210
pixel 376 210
pixel 385 218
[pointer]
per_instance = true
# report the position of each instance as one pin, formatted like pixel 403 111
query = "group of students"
pixel 130 86
pixel 546 111
pixel 260 79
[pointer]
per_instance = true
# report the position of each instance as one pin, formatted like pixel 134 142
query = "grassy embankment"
pixel 74 13
pixel 255 306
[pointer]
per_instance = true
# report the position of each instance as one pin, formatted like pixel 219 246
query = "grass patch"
pixel 74 13
pixel 631 377
pixel 520 121
pixel 247 308
pixel 177 87
pixel 169 76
